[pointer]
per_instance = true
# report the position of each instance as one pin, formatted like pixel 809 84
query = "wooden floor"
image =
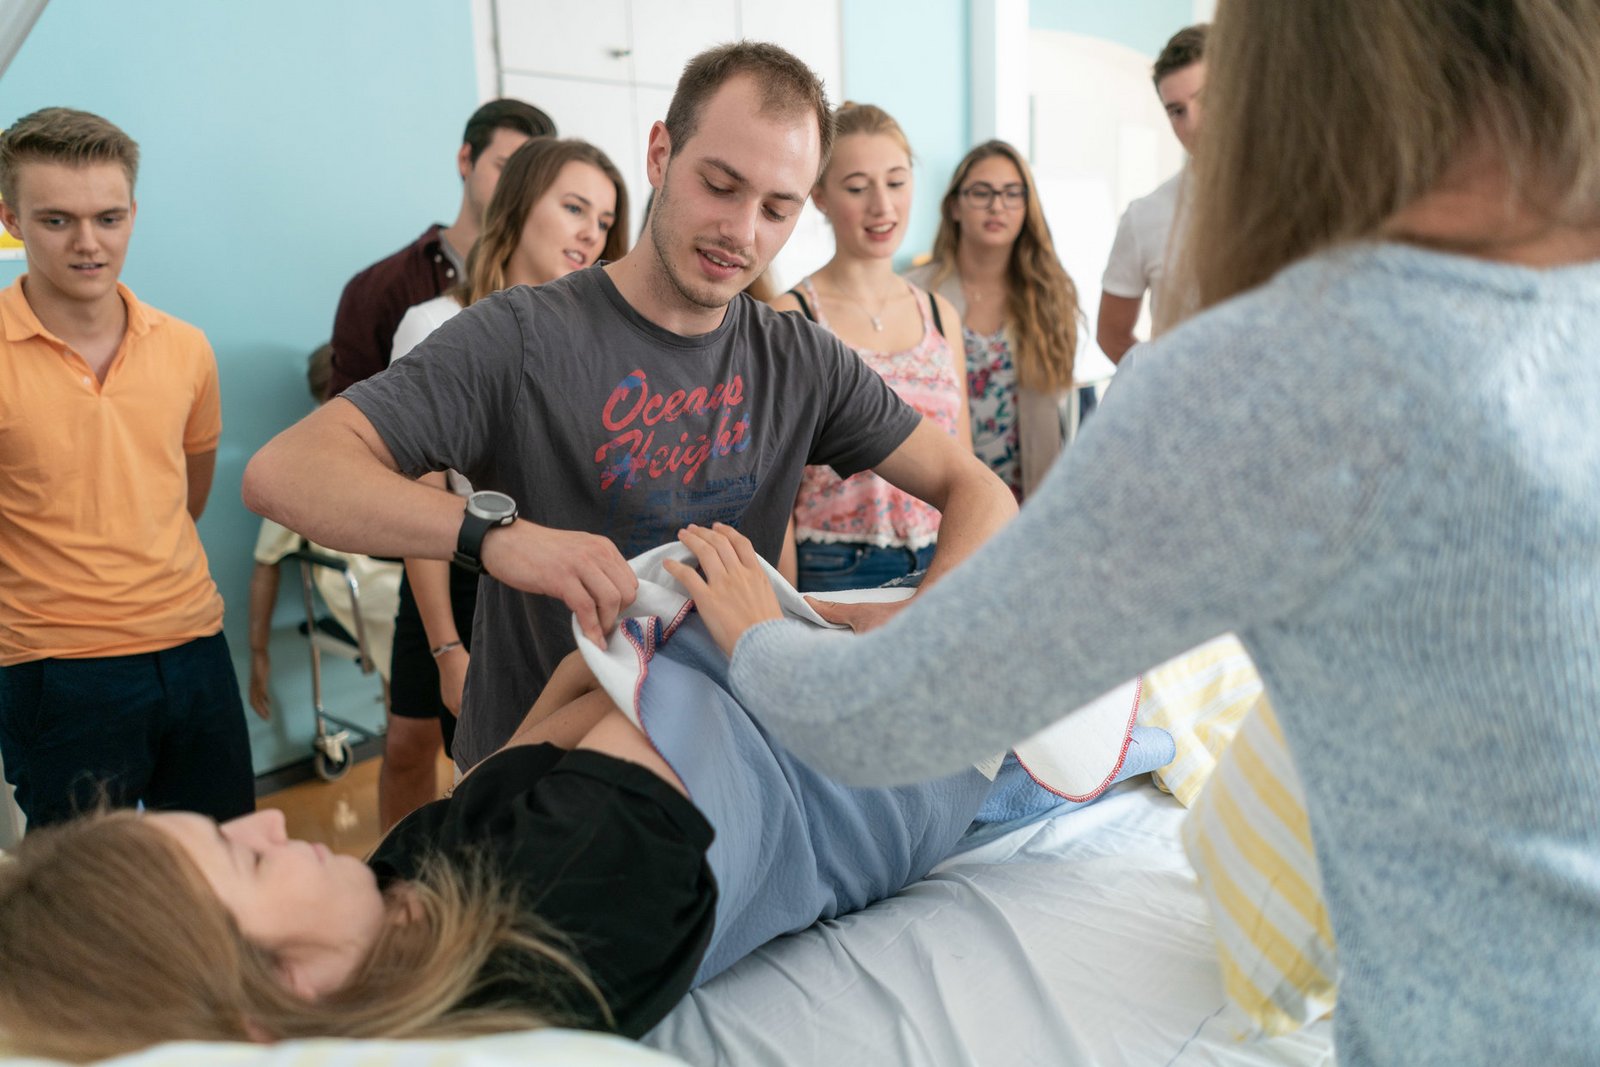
pixel 342 815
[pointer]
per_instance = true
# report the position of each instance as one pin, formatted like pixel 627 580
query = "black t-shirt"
pixel 604 851
pixel 594 418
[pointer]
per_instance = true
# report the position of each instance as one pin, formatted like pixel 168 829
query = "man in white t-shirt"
pixel 1146 244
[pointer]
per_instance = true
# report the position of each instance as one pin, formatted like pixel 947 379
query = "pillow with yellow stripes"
pixel 1249 842
pixel 1200 698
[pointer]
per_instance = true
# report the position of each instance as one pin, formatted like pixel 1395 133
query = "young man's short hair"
pixel 787 85
pixel 1187 47
pixel 62 135
pixel 505 114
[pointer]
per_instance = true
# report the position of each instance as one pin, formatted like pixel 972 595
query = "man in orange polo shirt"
pixel 115 678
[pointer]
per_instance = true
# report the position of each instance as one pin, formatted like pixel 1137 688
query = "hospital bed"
pixel 1079 940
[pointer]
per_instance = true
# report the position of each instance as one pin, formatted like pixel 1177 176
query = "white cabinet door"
pixel 600 114
pixel 669 33
pixel 587 40
pixel 810 31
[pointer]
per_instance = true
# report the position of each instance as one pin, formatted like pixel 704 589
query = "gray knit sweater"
pixel 1382 470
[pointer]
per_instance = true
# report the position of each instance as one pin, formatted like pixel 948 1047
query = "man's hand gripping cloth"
pixel 793 846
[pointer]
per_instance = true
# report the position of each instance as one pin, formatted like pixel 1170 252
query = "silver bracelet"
pixel 446 647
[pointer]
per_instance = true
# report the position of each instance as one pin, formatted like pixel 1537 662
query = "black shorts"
pixel 413 675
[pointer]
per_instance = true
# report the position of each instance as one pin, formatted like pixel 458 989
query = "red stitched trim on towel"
pixel 677 620
pixel 1122 757
pixel 645 653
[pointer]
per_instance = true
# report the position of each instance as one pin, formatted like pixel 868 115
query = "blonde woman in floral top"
pixel 994 259
pixel 861 532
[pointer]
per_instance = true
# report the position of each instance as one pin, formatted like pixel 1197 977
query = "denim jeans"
pixel 166 728
pixel 828 568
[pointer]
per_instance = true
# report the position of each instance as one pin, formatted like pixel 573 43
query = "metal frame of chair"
pixel 332 753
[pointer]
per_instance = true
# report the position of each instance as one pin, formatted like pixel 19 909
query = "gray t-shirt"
pixel 593 418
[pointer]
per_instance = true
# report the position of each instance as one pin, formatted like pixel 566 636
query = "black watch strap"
pixel 469 542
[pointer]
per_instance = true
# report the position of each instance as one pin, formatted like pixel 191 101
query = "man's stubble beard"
pixel 675 281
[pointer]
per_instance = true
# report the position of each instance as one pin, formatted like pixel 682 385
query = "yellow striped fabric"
pixel 1249 841
pixel 1200 698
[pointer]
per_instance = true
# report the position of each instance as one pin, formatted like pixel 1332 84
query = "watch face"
pixel 491 505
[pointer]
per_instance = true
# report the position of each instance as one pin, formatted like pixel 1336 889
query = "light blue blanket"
pixel 792 846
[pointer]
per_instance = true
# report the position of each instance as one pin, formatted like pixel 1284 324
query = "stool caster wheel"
pixel 332 760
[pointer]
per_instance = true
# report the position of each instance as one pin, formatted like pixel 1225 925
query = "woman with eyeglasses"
pixel 993 259
pixel 861 532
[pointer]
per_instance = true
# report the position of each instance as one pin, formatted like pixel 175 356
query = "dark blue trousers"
pixel 166 728
pixel 827 567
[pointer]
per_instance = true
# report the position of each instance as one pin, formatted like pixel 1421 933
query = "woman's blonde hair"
pixel 1325 119
pixel 111 940
pixel 528 174
pixel 851 117
pixel 1042 302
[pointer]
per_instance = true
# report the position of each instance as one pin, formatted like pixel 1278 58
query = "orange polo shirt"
pixel 98 555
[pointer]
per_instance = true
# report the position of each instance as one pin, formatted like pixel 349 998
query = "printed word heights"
pixel 633 412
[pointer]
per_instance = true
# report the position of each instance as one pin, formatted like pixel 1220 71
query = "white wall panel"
pixel 1099 139
pixel 669 33
pixel 588 40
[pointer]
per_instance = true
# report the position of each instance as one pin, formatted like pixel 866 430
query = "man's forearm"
pixel 1116 345
pixel 327 481
pixel 977 506
pixel 1115 323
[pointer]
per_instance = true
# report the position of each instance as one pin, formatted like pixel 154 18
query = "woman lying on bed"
pixel 566 882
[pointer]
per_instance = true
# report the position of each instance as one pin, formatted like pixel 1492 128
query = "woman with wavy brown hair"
pixel 994 260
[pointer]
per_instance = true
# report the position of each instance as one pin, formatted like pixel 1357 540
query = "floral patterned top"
pixel 992 393
pixel 864 508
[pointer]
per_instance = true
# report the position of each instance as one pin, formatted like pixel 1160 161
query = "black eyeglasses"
pixel 981 194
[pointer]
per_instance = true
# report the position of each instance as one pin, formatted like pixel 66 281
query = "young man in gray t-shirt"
pixel 621 403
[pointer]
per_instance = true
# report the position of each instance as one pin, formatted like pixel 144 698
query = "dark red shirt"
pixel 375 301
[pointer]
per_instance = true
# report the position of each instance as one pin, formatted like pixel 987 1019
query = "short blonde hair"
pixel 62 135
pixel 1323 120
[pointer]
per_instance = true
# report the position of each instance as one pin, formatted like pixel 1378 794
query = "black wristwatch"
pixel 485 511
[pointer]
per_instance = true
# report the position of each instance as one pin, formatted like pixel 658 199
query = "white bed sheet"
pixel 1079 940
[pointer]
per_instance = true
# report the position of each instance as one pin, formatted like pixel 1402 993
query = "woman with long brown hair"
pixel 994 260
pixel 1375 457
pixel 559 206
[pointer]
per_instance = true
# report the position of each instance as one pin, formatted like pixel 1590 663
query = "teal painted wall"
pixel 1143 25
pixel 911 58
pixel 285 146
